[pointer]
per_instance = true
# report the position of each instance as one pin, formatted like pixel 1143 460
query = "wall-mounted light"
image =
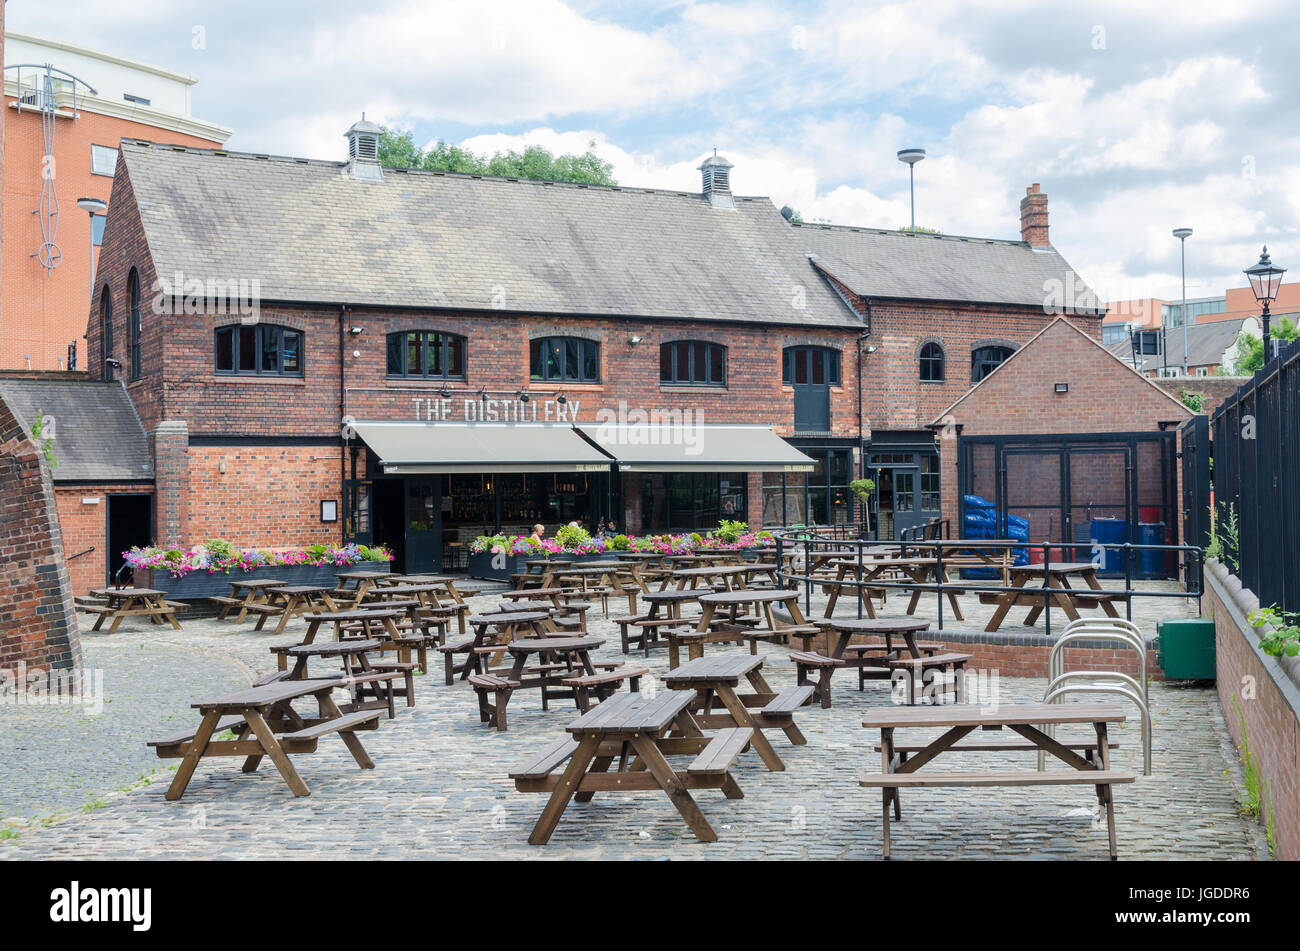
pixel 523 396
pixel 444 392
pixel 561 399
pixel 869 348
pixel 1061 387
pixel 634 339
pixel 221 466
pixel 355 330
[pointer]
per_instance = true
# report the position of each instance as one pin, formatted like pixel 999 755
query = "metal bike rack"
pixel 1112 682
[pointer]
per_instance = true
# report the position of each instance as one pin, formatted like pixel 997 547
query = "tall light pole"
pixel 1182 234
pixel 911 157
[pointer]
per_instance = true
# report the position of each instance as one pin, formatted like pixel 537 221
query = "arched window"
pixel 984 360
pixel 693 363
pixel 258 350
pixel 564 359
pixel 136 319
pixel 106 331
pixel 932 363
pixel 429 354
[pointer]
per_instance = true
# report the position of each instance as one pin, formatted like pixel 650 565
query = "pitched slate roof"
pixel 917 266
pixel 97 435
pixel 1206 345
pixel 310 231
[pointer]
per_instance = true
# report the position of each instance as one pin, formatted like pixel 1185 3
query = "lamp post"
pixel 1182 234
pixel 911 157
pixel 1265 278
pixel 92 206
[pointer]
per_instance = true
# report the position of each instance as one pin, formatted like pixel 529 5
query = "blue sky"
pixel 1135 117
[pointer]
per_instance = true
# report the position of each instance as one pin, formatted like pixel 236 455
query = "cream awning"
pixel 409 448
pixel 697 448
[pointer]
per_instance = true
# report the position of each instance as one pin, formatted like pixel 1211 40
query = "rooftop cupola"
pixel 363 150
pixel 716 174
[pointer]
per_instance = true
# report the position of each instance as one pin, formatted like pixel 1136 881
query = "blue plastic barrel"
pixel 1151 564
pixel 1109 531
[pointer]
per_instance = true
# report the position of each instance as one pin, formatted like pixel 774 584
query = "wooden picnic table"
pixel 134 602
pixel 359 675
pixel 574 652
pixel 708 631
pixel 899 769
pixel 920 571
pixel 246 596
pixel 717 677
pixel 294 600
pixel 257 715
pixel 610 578
pixel 378 622
pixel 1063 594
pixel 632 729
pixel 497 630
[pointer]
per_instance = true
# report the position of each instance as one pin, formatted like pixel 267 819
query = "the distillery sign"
pixel 488 410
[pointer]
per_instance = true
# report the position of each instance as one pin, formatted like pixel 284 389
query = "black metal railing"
pixel 1190 559
pixel 1256 476
pixel 80 553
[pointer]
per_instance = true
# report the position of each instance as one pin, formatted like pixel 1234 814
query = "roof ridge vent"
pixel 715 174
pixel 363 150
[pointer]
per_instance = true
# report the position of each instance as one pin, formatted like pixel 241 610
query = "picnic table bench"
pixel 898 772
pixel 490 629
pixel 293 600
pixel 1061 592
pixel 632 730
pixel 717 677
pixel 731 628
pixel 362 676
pixel 133 602
pixel 266 724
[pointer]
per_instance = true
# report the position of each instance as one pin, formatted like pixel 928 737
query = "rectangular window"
pixel 414 355
pixel 247 342
pixel 395 344
pixel 455 360
pixel 564 358
pixel 226 350
pixel 138 100
pixel 97 223
pixel 103 160
pixel 291 352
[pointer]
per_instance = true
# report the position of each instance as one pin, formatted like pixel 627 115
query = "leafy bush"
pixel 729 530
pixel 620 543
pixel 219 550
pixel 572 536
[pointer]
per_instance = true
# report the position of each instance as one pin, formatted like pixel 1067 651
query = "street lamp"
pixel 1265 278
pixel 92 206
pixel 1182 234
pixel 911 157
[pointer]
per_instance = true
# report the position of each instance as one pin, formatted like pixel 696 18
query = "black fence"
pixel 1256 479
pixel 809 561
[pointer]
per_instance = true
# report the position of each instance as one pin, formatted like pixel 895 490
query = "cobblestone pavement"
pixel 440 789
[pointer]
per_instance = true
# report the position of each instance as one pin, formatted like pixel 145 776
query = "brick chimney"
pixel 1033 217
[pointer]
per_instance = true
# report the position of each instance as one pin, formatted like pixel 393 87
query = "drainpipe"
pixel 343 460
pixel 862 453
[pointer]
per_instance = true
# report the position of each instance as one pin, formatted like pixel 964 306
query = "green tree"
pixel 398 150
pixel 1250 349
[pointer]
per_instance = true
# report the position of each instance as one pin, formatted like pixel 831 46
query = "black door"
pixel 1196 491
pixel 130 525
pixel 389 522
pixel 423 525
pixel 811 371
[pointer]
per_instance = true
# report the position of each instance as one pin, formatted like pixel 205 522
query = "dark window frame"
pixel 981 360
pixel 676 377
pixel 136 319
pixel 932 359
pixel 581 343
pixel 260 333
pixel 444 345
pixel 106 331
pixel 832 368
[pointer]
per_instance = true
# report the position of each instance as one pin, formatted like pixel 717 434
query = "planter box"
pixel 480 564
pixel 200 584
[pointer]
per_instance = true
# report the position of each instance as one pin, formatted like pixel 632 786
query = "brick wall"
pixel 85 526
pixel 268 496
pixel 1261 703
pixel 1215 389
pixel 1105 396
pixel 38 624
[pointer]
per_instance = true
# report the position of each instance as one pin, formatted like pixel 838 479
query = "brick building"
pixel 50 242
pixel 321 351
